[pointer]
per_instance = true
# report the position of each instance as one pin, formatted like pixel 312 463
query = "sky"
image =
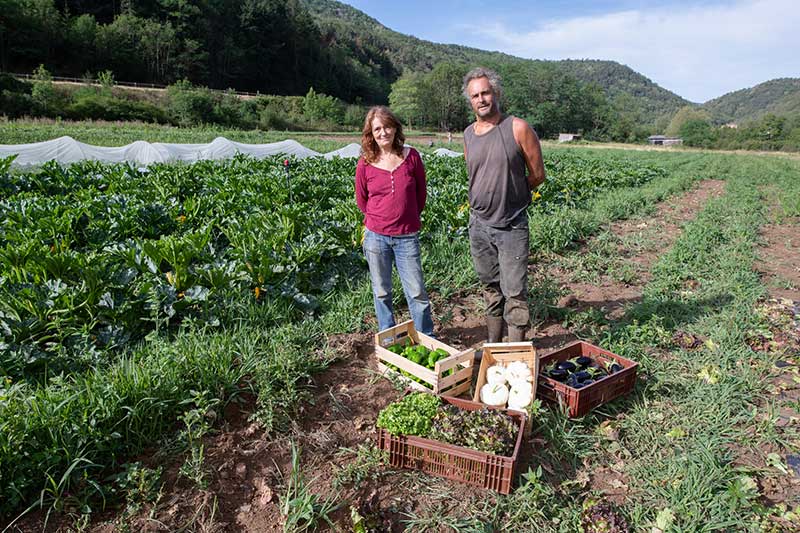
pixel 698 49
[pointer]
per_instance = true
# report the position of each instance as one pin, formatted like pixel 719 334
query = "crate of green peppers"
pixel 425 363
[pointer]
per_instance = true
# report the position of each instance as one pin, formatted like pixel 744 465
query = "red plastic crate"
pixel 482 469
pixel 581 401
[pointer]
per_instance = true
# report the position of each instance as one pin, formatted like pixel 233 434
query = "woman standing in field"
pixel 390 191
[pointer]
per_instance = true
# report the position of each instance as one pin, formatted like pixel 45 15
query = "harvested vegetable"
pixel 495 394
pixel 520 396
pixel 518 371
pixel 495 375
pixel 409 416
pixel 485 430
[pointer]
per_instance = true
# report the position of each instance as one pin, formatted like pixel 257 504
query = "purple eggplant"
pixel 582 376
pixel 569 366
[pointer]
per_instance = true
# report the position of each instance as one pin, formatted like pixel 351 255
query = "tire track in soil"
pixel 246 469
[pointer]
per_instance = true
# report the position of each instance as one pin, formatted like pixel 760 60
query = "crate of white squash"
pixel 423 362
pixel 507 375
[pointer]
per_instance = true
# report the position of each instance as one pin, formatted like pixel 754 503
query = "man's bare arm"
pixel 528 141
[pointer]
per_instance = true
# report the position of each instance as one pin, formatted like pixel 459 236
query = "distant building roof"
pixel 567 137
pixel 664 140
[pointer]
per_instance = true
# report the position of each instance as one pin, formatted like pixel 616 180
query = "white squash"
pixel 495 375
pixel 495 394
pixel 520 396
pixel 518 371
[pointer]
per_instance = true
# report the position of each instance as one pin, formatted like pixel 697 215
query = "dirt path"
pixel 780 258
pixel 247 472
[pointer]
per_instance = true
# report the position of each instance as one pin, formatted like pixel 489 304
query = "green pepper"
pixel 441 353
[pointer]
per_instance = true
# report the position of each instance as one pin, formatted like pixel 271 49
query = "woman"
pixel 390 191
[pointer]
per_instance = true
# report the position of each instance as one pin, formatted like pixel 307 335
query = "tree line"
pixel 251 45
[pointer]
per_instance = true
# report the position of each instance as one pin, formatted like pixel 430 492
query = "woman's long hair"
pixel 369 147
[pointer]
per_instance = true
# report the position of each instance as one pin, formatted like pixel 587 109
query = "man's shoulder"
pixel 469 128
pixel 518 122
pixel 520 127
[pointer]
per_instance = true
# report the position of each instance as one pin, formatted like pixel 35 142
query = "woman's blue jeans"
pixel 382 251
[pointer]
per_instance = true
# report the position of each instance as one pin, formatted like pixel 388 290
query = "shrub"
pixel 321 107
pixel 190 105
pixel 101 107
pixel 228 110
pixel 46 100
pixel 15 104
pixel 354 116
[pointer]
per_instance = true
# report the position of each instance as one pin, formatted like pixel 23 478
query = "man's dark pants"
pixel 500 256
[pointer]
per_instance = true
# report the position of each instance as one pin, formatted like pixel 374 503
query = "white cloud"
pixel 699 52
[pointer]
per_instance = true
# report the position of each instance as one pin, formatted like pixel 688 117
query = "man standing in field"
pixel 498 149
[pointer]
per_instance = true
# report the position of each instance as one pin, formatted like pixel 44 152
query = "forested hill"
pixel 620 81
pixel 780 97
pixel 270 46
pixel 367 37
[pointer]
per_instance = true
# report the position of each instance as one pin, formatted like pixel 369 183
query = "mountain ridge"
pixel 779 96
pixel 406 52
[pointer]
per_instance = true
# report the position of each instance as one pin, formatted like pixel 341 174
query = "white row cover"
pixel 68 150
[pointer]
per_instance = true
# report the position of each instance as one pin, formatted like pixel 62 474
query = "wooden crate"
pixel 481 469
pixel 581 401
pixel 460 361
pixel 504 353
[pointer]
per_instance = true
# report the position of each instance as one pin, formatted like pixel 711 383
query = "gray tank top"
pixel 498 188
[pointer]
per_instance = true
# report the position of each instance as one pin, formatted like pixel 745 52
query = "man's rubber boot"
pixel 495 326
pixel 516 334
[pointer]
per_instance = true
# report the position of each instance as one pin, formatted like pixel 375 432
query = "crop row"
pixel 94 256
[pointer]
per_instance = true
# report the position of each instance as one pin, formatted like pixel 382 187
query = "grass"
pixel 121 133
pixel 102 133
pixel 682 429
pixel 302 509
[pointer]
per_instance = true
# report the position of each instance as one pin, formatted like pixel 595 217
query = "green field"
pixel 122 133
pixel 133 301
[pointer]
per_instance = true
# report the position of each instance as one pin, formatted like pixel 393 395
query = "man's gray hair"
pixel 480 72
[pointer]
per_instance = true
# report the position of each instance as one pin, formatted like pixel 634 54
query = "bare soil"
pixel 248 470
pixel 779 263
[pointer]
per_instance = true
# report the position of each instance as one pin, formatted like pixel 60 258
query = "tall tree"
pixel 406 98
pixel 683 115
pixel 445 105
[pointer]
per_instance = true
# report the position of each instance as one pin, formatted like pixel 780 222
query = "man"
pixel 498 149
